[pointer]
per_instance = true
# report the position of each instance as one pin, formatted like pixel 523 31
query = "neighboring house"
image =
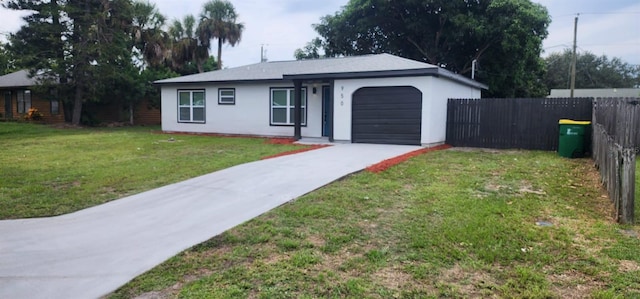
pixel 597 93
pixel 18 97
pixel 365 99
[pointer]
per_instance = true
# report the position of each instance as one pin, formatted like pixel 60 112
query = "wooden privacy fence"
pixel 616 139
pixel 512 123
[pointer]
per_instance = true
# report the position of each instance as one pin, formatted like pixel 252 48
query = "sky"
pixel 609 28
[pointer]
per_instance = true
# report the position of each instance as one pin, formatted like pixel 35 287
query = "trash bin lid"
pixel 573 122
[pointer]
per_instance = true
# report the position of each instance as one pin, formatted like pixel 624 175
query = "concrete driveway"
pixel 92 252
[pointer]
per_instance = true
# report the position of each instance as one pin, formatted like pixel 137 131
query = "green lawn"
pixel 444 224
pixel 46 171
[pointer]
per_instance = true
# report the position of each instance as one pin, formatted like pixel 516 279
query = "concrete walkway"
pixel 90 253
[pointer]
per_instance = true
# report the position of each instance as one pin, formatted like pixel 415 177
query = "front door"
pixel 7 105
pixel 326 111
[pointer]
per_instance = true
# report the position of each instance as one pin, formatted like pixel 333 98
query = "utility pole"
pixel 574 59
pixel 263 53
pixel 473 68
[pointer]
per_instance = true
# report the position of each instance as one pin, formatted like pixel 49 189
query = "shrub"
pixel 33 114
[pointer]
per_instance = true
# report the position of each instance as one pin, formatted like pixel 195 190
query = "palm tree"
pixel 218 20
pixel 147 33
pixel 186 48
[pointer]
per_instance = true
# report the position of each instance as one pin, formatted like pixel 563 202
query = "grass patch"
pixel 443 224
pixel 49 171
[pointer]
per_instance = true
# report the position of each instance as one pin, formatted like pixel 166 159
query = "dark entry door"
pixel 387 115
pixel 8 112
pixel 326 111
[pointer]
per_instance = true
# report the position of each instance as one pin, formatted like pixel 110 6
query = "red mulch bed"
pixel 384 165
pixel 306 149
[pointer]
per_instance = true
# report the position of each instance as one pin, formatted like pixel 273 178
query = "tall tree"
pixel 503 36
pixel 7 60
pixel 310 51
pixel 591 71
pixel 219 20
pixel 147 34
pixel 187 50
pixel 78 43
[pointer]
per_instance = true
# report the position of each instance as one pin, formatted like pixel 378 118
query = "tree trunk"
pixel 131 113
pixel 200 66
pixel 219 54
pixel 77 106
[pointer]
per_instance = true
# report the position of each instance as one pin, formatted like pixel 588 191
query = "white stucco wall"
pixel 440 90
pixel 249 116
pixel 435 93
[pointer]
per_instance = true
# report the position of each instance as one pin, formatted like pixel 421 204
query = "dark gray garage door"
pixel 388 115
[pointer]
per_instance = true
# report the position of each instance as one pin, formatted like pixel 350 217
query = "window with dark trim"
pixel 54 101
pixel 282 106
pixel 55 107
pixel 227 96
pixel 191 106
pixel 23 97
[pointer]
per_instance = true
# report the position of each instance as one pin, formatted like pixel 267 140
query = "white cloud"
pixel 604 28
pixel 11 22
pixel 281 25
pixel 285 25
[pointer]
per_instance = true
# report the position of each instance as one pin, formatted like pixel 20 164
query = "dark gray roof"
pixel 17 79
pixel 597 93
pixel 366 66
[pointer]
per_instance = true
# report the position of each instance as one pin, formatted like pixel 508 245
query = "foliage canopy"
pixel 503 36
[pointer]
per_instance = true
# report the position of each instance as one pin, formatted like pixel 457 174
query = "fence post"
pixel 627 182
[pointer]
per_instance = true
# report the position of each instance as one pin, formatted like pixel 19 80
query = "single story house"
pixel 596 93
pixel 18 97
pixel 378 98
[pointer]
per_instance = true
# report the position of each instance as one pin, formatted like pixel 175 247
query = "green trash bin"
pixel 574 138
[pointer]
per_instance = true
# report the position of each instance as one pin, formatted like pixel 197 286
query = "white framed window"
pixel 55 102
pixel 227 96
pixel 282 106
pixel 191 108
pixel 24 101
pixel 55 107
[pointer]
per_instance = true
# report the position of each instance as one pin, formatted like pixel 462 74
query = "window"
pixel 226 96
pixel 55 102
pixel 55 107
pixel 282 106
pixel 24 101
pixel 191 106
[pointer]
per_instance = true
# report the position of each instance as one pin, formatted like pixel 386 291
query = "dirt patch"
pixel 274 257
pixel 526 187
pixel 470 282
pixel 393 278
pixel 574 284
pixel 316 241
pixel 334 262
pixel 600 199
pixel 384 165
pixel 494 187
pixel 154 295
pixel 628 266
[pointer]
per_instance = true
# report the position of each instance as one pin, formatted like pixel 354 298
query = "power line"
pixel 598 13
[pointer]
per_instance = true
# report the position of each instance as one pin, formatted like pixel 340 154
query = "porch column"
pixel 297 110
pixel 331 109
